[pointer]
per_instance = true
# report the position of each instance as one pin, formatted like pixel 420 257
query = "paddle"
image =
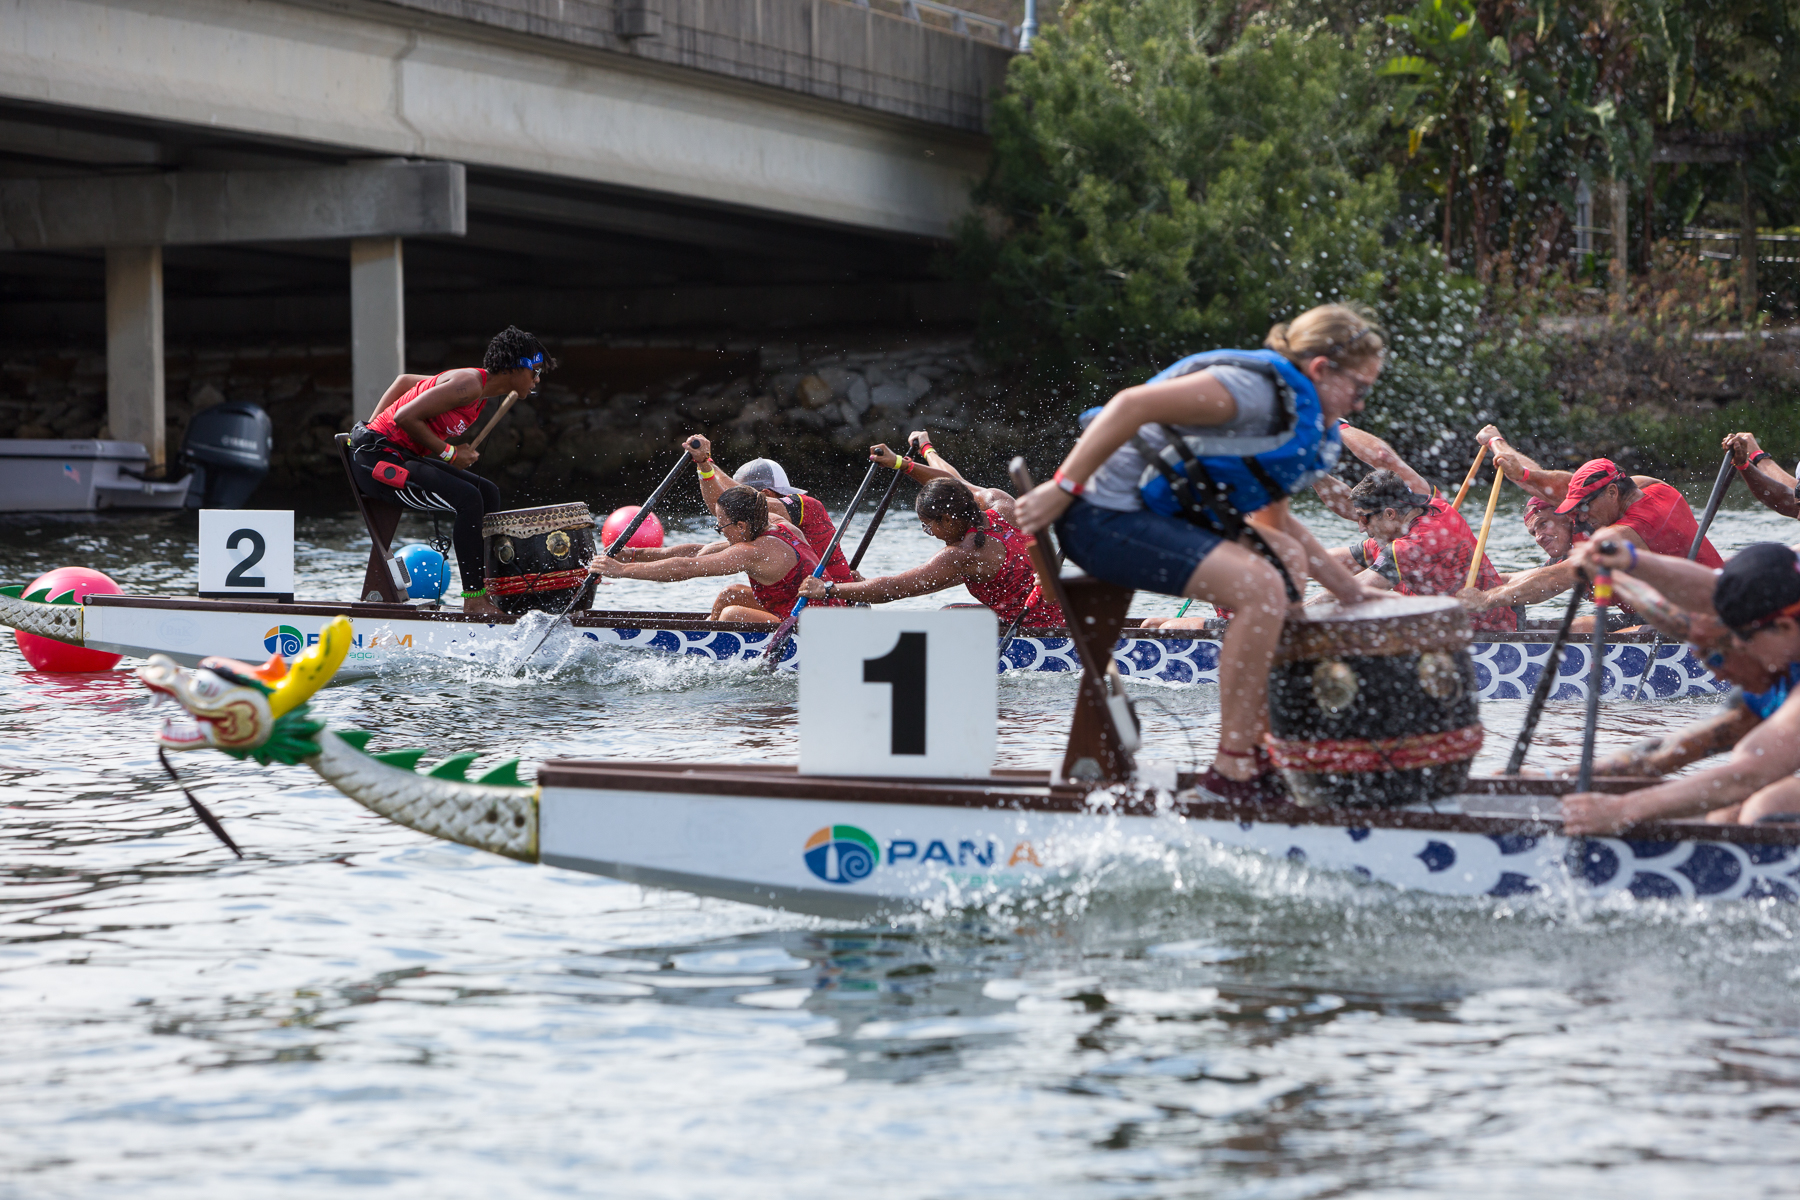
pixel 612 551
pixel 1603 599
pixel 887 498
pixel 200 810
pixel 512 398
pixel 1117 706
pixel 1721 485
pixel 1546 682
pixel 1487 523
pixel 778 641
pixel 1185 605
pixel 1463 492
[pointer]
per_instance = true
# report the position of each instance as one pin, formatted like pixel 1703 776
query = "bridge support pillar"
pixel 134 347
pixel 377 320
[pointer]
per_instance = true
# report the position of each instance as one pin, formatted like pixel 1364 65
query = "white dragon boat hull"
pixel 843 847
pixel 1507 666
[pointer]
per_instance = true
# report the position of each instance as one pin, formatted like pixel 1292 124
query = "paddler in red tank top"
pixel 407 441
pixel 1606 504
pixel 983 551
pixel 776 558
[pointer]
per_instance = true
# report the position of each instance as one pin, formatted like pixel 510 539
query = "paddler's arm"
pixel 945 569
pixel 1381 456
pixel 1657 756
pixel 1685 583
pixel 700 450
pixel 1334 493
pixel 1546 485
pixel 1332 574
pixel 1768 754
pixel 637 554
pixel 1772 486
pixel 731 560
pixel 1196 399
pixel 1526 587
pixel 401 385
pixel 456 389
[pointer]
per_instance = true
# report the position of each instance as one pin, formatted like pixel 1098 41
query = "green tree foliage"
pixel 1169 177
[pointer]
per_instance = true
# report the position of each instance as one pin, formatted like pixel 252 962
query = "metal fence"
pixel 942 16
pixel 1777 261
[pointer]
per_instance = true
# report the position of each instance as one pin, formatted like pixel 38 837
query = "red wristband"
pixel 1526 477
pixel 1066 484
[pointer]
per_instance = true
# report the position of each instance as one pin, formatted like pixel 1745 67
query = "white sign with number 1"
pixel 898 692
pixel 247 553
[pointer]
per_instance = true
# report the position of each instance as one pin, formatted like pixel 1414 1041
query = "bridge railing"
pixel 943 16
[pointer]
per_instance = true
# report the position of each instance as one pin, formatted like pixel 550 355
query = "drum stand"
pixel 382 521
pixel 1096 612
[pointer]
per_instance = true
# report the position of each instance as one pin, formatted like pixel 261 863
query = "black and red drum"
pixel 1374 705
pixel 537 557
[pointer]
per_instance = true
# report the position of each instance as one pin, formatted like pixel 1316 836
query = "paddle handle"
pixel 643 512
pixel 1603 598
pixel 887 498
pixel 1462 493
pixel 1721 485
pixel 1487 523
pixel 1545 684
pixel 512 398
pixel 1185 605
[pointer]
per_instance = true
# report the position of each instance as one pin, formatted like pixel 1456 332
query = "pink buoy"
pixel 47 654
pixel 649 535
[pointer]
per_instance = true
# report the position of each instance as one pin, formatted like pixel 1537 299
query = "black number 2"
pixel 258 548
pixel 904 667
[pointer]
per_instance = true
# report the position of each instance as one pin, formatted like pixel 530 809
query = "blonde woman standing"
pixel 1180 485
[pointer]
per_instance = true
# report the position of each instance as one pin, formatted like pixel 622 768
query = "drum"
pixel 537 557
pixel 1374 706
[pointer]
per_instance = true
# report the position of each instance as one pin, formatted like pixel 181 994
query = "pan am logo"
pixel 284 640
pixel 841 854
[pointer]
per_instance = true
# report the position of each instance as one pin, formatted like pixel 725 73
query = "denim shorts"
pixel 1143 550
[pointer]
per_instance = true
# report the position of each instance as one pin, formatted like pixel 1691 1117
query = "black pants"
pixel 432 486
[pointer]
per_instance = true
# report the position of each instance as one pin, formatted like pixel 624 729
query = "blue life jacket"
pixel 1216 480
pixel 1764 704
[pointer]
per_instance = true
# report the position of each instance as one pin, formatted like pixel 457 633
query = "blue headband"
pixel 534 362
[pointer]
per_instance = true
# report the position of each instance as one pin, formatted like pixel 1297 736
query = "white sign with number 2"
pixel 903 692
pixel 246 552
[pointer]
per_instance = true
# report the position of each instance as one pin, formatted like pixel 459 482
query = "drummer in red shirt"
pixel 1419 545
pixel 403 454
pixel 1606 504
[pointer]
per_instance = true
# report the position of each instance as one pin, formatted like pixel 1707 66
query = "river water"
pixel 355 1008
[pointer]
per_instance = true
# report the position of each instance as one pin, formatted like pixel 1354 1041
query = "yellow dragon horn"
pixel 314 669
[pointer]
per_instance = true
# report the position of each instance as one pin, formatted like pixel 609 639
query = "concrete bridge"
pixel 312 167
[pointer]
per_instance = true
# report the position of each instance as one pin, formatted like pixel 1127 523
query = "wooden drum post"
pixel 1374 706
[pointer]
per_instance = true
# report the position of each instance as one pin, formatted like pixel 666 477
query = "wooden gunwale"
pixel 1032 791
pixel 678 621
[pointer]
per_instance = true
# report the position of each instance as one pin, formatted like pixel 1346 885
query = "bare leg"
pixel 1245 582
pixel 481 606
pixel 1783 797
pixel 743 612
pixel 737 593
pixel 1176 622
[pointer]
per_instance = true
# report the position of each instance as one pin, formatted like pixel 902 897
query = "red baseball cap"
pixel 1591 478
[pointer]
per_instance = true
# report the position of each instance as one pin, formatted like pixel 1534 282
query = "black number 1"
pixel 904 667
pixel 258 548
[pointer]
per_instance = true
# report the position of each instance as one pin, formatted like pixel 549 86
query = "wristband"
pixel 448 452
pixel 926 448
pixel 473 595
pixel 1526 477
pixel 899 463
pixel 1067 484
pixel 830 590
pixel 1758 457
pixel 706 472
pixel 1632 546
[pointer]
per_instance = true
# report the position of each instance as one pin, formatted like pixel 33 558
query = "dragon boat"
pixel 185 629
pixel 849 846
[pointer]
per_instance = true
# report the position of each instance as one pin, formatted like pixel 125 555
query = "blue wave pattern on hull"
pixel 1470 864
pixel 1503 670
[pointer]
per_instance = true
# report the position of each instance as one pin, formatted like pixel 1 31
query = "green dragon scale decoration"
pixel 261 713
pixel 55 617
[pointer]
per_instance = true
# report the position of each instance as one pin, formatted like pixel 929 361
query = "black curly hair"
pixel 510 347
pixel 745 504
pixel 951 500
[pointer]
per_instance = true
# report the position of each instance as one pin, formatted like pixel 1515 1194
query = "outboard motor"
pixel 228 446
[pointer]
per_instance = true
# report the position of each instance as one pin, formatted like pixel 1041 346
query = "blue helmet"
pixel 429 573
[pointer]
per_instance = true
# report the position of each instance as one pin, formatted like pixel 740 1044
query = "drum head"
pixel 1391 625
pixel 528 522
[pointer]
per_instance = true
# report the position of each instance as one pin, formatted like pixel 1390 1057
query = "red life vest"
pixel 778 598
pixel 815 523
pixel 1014 587
pixel 446 425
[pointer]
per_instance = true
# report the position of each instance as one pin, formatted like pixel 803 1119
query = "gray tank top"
pixel 1115 484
